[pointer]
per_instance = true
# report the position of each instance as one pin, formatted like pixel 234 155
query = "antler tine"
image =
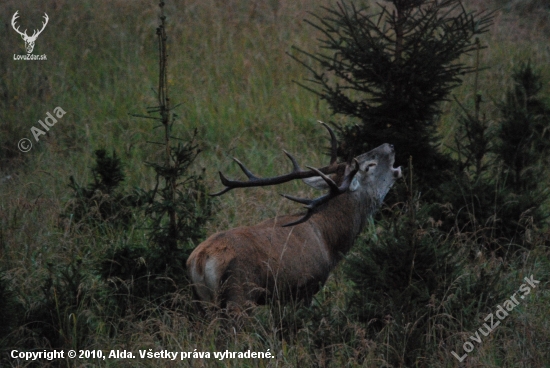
pixel 46 18
pixel 349 176
pixel 333 144
pixel 225 182
pixel 225 190
pixel 327 179
pixel 13 21
pixel 295 166
pixel 306 217
pixel 245 170
pixel 311 205
pixel 230 184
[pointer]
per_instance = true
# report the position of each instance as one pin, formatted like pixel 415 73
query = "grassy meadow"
pixel 229 70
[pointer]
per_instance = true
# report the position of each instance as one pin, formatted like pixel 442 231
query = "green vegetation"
pixel 390 67
pixel 229 70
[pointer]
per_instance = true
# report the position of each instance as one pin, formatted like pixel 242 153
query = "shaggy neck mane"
pixel 340 222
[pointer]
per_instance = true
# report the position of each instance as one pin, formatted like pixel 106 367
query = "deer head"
pixel 29 40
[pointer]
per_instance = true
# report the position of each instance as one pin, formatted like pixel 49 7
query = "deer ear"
pixel 316 182
pixel 355 183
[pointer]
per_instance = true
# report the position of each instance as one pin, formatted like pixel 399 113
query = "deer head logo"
pixel 29 40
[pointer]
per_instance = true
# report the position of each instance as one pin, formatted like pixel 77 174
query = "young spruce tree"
pixel 499 190
pixel 176 209
pixel 390 70
pixel 522 149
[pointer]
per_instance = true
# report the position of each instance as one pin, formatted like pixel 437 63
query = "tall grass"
pixel 230 72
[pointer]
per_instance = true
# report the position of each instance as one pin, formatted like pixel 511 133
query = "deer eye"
pixel 369 166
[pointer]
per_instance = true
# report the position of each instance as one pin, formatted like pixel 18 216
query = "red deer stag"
pixel 290 257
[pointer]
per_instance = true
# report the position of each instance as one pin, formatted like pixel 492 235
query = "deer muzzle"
pixel 397 172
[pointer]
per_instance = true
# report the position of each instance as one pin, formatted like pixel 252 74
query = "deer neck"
pixel 340 222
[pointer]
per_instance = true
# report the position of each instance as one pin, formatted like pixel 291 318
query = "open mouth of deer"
pixel 397 172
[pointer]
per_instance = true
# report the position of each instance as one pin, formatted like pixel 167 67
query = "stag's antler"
pixel 36 33
pixel 335 190
pixel 13 19
pixel 29 40
pixel 297 173
pixel 24 34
